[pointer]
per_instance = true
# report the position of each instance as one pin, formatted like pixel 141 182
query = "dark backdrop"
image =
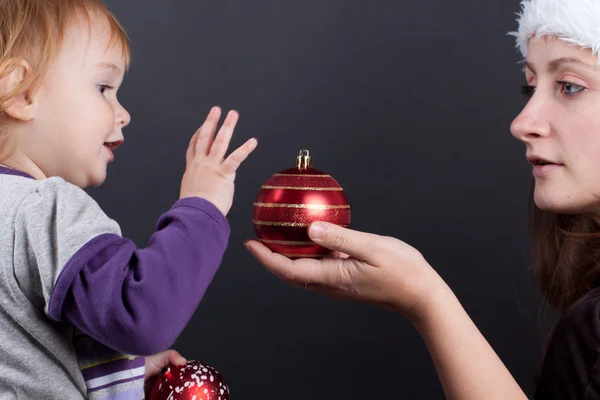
pixel 408 105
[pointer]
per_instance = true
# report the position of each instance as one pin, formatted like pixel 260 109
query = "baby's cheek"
pixel 100 116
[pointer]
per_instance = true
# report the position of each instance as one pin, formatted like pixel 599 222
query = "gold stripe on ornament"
pixel 301 188
pixel 286 224
pixel 286 242
pixel 308 206
pixel 307 175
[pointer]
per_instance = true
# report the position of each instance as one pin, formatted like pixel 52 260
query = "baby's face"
pixel 78 118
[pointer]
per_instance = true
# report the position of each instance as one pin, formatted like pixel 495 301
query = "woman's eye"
pixel 528 90
pixel 569 89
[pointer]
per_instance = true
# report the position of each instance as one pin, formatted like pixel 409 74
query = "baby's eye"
pixel 103 88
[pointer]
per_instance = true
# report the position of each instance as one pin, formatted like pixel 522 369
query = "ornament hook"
pixel 304 160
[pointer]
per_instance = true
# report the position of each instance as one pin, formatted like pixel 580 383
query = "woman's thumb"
pixel 337 238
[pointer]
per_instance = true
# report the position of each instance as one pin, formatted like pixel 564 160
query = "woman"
pixel 560 127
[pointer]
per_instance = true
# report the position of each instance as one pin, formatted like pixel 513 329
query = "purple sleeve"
pixel 138 301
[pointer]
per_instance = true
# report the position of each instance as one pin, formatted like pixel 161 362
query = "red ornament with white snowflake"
pixel 191 381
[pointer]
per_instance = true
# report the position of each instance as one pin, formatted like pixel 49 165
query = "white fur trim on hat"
pixel 574 21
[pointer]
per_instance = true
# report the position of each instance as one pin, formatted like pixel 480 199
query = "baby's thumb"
pixel 176 358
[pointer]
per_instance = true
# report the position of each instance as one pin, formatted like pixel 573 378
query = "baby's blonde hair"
pixel 33 30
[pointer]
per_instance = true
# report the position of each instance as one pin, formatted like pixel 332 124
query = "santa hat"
pixel 574 21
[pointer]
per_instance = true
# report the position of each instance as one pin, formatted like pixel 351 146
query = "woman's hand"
pixel 389 272
pixel 377 269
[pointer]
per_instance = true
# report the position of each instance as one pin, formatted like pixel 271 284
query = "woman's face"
pixel 560 126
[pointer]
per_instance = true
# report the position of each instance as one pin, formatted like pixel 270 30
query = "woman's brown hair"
pixel 565 251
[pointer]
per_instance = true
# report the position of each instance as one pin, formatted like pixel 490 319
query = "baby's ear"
pixel 15 98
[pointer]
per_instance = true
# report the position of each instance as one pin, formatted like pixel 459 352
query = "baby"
pixel 80 306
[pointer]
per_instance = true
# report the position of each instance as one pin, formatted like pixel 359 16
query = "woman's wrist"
pixel 439 302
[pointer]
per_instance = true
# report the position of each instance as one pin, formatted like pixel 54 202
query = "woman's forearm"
pixel 466 364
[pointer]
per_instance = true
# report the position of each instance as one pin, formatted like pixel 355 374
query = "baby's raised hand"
pixel 208 174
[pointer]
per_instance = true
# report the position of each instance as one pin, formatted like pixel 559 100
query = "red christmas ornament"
pixel 290 201
pixel 191 381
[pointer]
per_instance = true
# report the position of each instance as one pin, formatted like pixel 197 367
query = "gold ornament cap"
pixel 304 160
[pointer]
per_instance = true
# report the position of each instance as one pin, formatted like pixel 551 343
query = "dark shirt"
pixel 571 367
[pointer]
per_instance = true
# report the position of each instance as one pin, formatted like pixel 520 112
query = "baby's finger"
pixel 221 142
pixel 206 132
pixel 191 150
pixel 232 163
pixel 175 358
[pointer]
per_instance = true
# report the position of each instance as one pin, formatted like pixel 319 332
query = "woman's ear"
pixel 17 101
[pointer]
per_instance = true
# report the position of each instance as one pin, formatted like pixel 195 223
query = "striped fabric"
pixel 109 375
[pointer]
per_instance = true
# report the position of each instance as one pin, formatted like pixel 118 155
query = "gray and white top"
pixel 79 304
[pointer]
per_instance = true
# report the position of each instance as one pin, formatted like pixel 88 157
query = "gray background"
pixel 408 105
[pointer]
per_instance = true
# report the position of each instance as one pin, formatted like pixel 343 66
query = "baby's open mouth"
pixel 113 145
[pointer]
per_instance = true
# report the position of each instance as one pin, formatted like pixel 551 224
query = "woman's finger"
pixel 327 272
